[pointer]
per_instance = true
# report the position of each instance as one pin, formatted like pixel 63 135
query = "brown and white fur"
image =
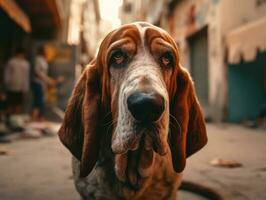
pixel 121 153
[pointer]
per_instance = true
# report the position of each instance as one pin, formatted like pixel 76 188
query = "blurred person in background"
pixel 40 83
pixel 16 80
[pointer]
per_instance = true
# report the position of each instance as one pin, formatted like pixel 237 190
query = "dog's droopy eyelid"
pixel 117 58
pixel 167 59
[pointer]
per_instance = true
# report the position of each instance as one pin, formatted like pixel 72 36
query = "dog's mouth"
pixel 150 139
pixel 134 164
pixel 145 134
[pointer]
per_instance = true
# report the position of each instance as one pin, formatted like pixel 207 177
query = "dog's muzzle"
pixel 146 107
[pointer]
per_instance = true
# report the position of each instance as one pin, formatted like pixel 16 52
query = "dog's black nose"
pixel 145 107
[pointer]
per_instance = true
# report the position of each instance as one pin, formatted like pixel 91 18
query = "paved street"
pixel 247 146
pixel 39 169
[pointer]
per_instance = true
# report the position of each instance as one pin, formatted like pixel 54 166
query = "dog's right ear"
pixel 190 135
pixel 79 131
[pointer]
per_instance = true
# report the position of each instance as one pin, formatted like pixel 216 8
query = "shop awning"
pixel 45 16
pixel 16 13
pixel 244 41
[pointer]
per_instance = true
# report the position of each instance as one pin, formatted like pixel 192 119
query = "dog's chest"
pixel 98 186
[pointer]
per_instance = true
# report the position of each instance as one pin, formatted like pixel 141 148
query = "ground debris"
pixel 219 162
pixel 31 134
pixel 4 151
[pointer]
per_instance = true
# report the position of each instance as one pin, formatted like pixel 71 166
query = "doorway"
pixel 198 45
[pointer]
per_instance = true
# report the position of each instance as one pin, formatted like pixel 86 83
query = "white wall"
pixel 240 12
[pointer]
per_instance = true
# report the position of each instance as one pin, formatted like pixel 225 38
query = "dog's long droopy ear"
pixel 79 131
pixel 190 135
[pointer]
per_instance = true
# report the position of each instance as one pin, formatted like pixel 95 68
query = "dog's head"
pixel 137 81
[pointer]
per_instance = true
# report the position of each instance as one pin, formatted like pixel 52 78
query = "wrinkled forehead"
pixel 138 35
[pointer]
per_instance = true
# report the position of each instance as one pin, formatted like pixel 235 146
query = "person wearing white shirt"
pixel 16 80
pixel 40 81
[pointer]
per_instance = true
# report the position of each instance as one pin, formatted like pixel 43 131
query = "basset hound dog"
pixel 133 118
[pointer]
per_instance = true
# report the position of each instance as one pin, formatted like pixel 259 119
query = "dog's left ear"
pixel 80 129
pixel 189 135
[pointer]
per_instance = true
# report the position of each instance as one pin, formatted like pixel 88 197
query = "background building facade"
pixel 222 43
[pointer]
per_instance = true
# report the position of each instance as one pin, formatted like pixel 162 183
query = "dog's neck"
pixel 106 162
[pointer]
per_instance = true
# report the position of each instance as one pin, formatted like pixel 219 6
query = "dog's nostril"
pixel 145 106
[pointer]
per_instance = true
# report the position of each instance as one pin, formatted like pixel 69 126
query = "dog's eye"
pixel 167 60
pixel 118 58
